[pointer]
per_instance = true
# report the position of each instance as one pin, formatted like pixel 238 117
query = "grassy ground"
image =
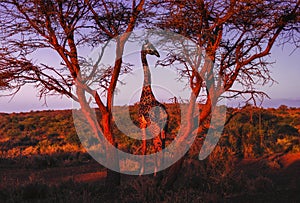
pixel 266 179
pixel 41 160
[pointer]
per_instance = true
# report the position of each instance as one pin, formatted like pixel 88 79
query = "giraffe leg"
pixel 155 165
pixel 144 148
pixel 156 161
pixel 163 145
pixel 157 147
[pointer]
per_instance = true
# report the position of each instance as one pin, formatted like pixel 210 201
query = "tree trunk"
pixel 171 175
pixel 113 177
pixel 113 180
pixel 173 172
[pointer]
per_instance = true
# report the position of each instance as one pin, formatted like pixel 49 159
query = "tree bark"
pixel 113 177
pixel 172 173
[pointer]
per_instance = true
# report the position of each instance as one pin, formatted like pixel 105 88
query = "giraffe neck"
pixel 147 73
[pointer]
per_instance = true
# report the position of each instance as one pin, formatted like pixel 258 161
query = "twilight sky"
pixel 285 70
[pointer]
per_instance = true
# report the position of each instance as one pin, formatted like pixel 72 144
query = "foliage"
pixel 51 131
pixel 260 130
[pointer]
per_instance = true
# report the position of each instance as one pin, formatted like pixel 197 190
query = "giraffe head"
pixel 148 48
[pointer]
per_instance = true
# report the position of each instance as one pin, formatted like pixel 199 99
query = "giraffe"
pixel 152 114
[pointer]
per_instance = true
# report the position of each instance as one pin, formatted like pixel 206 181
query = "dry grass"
pixel 50 167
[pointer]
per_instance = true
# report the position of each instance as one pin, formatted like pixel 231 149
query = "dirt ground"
pixel 277 171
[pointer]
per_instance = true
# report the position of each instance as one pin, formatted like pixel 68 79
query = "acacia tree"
pixel 236 36
pixel 63 27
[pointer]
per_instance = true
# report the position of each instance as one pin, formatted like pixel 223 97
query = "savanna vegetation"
pixel 257 157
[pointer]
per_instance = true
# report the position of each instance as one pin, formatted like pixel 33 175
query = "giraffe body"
pixel 152 114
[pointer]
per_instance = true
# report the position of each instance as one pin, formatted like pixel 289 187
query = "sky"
pixel 285 70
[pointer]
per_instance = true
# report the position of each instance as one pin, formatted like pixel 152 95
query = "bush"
pixel 286 130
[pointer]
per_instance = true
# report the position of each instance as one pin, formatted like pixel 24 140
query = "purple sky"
pixel 285 70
